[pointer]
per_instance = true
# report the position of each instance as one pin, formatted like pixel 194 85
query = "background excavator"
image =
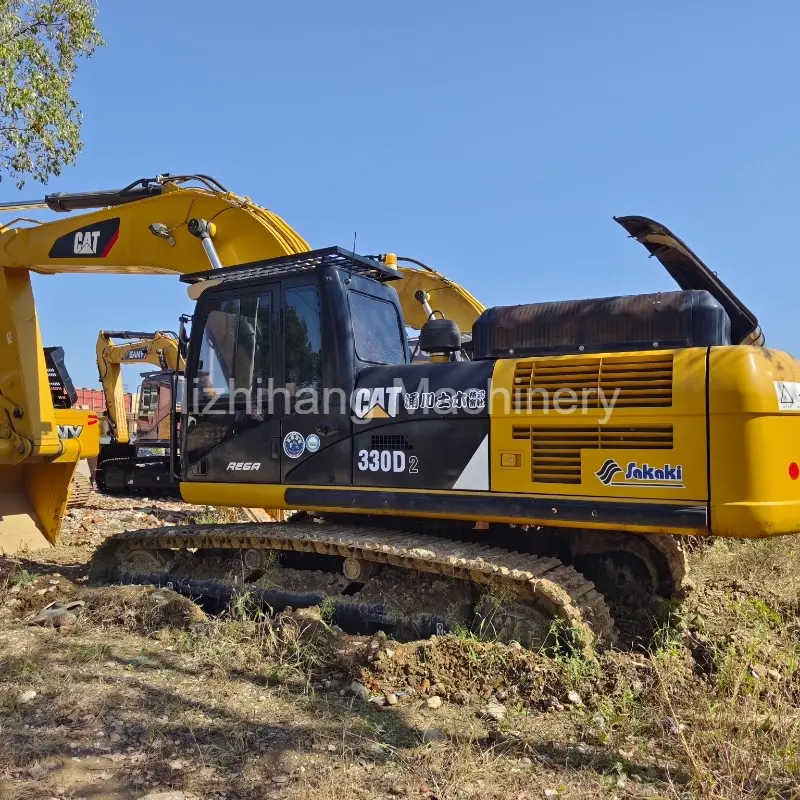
pixel 121 469
pixel 459 484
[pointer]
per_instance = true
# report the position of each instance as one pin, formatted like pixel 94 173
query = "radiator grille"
pixel 556 451
pixel 641 383
pixel 389 441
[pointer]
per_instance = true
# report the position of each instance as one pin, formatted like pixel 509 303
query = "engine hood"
pixel 689 272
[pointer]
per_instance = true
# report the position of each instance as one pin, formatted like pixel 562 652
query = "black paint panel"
pixel 485 506
pixel 438 449
pixel 91 241
pixel 404 381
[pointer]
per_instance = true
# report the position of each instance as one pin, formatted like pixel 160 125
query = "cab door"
pixel 232 424
pixel 316 441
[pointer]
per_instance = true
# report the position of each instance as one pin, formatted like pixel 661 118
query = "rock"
pixel 391 699
pixel 671 726
pixel 378 700
pixel 434 735
pixel 515 645
pixel 65 621
pixel 461 697
pixel 164 796
pixel 389 653
pixel 280 779
pixel 495 711
pixel 550 793
pixel 359 690
pixel 573 698
pixel 501 695
pixel 37 771
pixel 26 696
pixel 434 702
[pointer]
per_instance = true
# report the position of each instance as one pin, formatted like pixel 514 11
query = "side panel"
pixel 754 404
pixel 423 426
pixel 629 426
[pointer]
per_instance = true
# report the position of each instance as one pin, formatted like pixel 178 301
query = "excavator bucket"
pixel 33 498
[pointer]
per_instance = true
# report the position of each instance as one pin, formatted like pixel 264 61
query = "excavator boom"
pixel 159 348
pixel 159 225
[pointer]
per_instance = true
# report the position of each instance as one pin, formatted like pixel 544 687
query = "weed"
pixel 88 652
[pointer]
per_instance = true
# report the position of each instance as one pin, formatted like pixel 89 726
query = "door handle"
pixel 276 447
pixel 327 428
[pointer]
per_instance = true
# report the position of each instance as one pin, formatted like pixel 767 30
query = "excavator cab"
pixel 274 355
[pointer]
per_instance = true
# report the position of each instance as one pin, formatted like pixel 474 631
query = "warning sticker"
pixel 788 393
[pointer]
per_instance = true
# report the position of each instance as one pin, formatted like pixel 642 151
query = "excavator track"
pixel 543 584
pixel 79 490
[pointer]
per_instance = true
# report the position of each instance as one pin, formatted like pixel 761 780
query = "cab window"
pixel 377 330
pixel 303 337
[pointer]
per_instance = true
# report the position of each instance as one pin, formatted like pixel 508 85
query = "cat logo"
pixel 378 403
pixel 86 243
pixel 91 241
pixel 70 431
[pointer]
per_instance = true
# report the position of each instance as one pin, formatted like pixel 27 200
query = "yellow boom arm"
pixel 159 348
pixel 147 235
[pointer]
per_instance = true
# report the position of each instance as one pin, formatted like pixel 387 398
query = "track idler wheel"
pixel 629 566
pixel 513 621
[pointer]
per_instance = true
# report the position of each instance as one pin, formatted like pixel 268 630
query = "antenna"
pixel 350 274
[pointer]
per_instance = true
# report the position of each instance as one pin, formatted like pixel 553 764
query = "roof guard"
pixel 310 261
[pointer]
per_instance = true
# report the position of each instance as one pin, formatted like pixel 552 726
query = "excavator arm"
pixel 159 349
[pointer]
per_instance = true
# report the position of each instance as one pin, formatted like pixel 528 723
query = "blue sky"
pixel 494 141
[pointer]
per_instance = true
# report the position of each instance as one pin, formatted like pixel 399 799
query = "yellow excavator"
pixel 522 475
pixel 121 469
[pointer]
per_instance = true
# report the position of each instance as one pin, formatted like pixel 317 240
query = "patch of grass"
pixel 88 652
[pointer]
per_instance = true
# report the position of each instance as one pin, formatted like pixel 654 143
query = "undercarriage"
pixel 412 581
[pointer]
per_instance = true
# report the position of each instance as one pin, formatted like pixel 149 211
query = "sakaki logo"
pixel 86 243
pixel 246 466
pixel 640 475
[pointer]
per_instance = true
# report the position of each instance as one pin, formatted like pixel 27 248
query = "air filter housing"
pixel 607 324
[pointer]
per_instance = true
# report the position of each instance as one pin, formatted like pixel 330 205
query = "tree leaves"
pixel 41 42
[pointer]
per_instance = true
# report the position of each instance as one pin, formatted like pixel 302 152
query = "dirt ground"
pixel 141 695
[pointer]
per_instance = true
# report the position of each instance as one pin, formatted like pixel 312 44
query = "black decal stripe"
pixel 471 506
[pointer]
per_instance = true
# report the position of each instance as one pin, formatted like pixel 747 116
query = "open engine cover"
pixel 608 324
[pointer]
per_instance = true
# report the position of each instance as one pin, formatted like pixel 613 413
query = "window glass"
pixel 215 369
pixel 262 360
pixel 376 327
pixel 303 339
pixel 235 361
